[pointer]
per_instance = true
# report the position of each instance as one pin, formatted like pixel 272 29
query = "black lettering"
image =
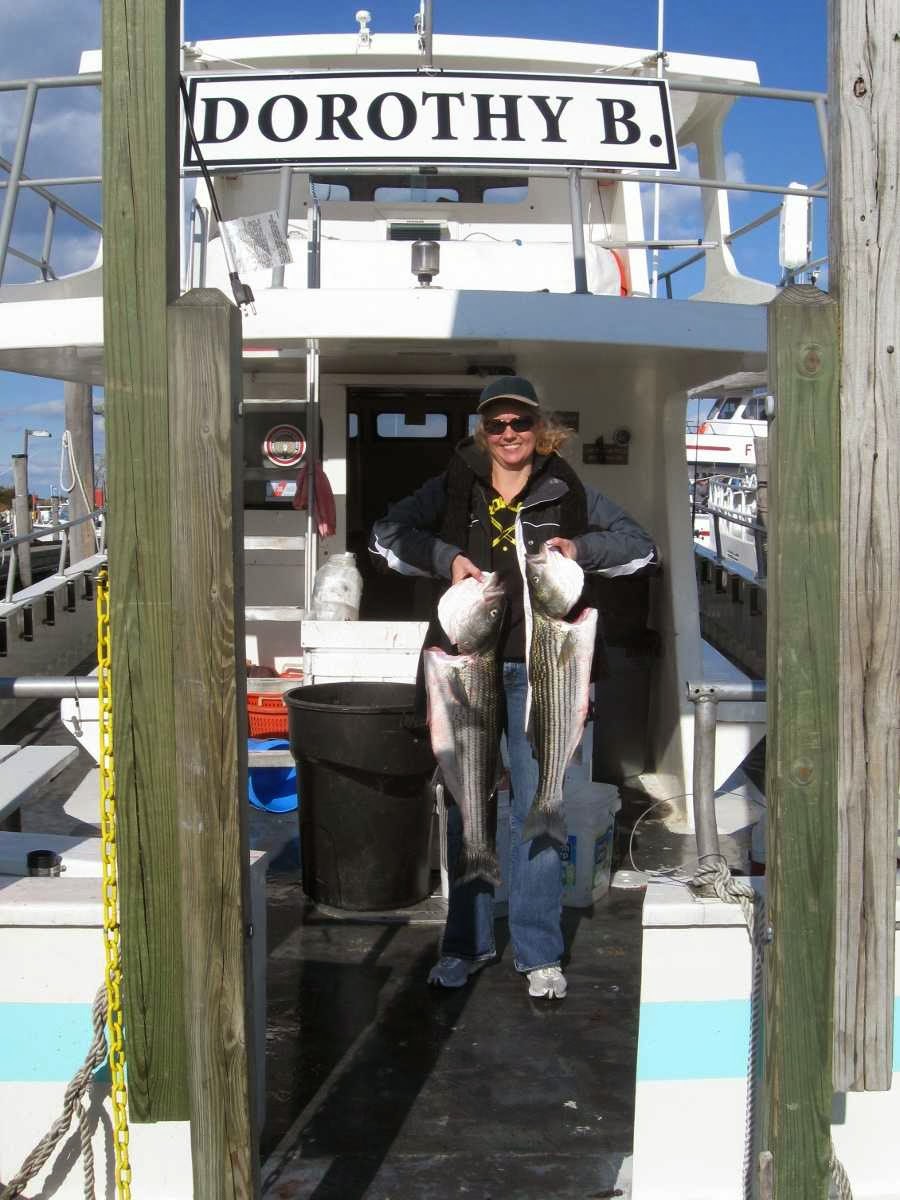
pixel 611 120
pixel 330 118
pixel 267 125
pixel 551 118
pixel 444 132
pixel 211 119
pixel 376 119
pixel 485 118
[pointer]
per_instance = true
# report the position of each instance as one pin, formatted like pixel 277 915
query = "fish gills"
pixel 560 670
pixel 464 717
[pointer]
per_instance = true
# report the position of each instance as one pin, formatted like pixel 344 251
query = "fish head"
pixel 555 582
pixel 471 611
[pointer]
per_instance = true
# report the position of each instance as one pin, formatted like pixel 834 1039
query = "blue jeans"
pixel 535 876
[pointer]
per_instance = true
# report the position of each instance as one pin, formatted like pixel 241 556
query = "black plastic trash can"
pixel 364 766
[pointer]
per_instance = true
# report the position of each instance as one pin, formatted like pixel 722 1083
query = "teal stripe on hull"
pixel 44 1043
pixel 703 1040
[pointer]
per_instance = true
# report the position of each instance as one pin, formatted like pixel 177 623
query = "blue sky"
pixel 765 142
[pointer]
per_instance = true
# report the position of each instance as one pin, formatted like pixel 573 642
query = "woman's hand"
pixel 463 568
pixel 563 545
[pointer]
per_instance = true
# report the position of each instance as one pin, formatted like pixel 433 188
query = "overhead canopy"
pixel 742 381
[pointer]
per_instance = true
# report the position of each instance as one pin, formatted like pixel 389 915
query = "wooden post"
pixel 22 516
pixel 801 768
pixel 211 733
pixel 80 426
pixel 864 266
pixel 140 279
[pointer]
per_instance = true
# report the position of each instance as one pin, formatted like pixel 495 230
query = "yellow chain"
pixel 118 1093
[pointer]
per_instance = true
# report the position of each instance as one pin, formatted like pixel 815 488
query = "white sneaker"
pixel 450 972
pixel 548 982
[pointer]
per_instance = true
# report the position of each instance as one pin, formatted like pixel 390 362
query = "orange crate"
pixel 268 714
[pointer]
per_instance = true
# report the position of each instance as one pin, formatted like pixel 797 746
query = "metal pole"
pixel 22 512
pixel 15 173
pixel 577 212
pixel 284 212
pixel 41 687
pixel 657 190
pixel 705 716
pixel 311 554
pixel 427 33
pixel 49 225
pixel 314 249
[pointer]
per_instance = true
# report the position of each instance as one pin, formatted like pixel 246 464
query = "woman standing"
pixel 459 524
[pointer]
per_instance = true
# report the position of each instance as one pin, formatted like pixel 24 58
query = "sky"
pixel 765 142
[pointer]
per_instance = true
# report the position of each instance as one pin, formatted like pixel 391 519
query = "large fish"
pixel 559 674
pixel 465 700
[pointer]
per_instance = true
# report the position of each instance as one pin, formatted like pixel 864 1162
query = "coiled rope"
pixel 73 1106
pixel 713 875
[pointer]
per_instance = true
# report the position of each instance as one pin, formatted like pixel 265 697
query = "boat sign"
pixel 408 117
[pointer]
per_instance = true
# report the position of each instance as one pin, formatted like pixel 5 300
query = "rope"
pixel 714 876
pixel 72 1106
pixel 67 459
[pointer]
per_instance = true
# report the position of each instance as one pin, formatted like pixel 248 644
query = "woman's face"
pixel 508 447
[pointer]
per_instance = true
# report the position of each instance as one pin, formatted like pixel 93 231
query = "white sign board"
pixel 409 117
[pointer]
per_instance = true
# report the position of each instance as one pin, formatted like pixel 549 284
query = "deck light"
pixel 426 261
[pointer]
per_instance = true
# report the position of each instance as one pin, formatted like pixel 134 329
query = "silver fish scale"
pixel 555 711
pixel 475 721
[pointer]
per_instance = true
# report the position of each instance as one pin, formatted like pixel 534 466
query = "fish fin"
pixel 543 823
pixel 457 688
pixel 477 863
pixel 568 650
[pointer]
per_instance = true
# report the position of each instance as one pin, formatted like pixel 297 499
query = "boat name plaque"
pixel 408 117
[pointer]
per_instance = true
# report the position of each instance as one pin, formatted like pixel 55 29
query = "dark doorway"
pixel 396 439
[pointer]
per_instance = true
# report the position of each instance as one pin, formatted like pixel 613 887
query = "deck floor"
pixel 380 1087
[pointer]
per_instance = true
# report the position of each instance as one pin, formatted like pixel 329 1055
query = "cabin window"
pixel 329 191
pixel 416 195
pixel 513 194
pixel 727 408
pixel 352 425
pixel 755 409
pixel 399 425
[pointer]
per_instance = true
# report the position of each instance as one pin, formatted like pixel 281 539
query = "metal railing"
pixel 706 698
pixel 9 548
pixel 17 180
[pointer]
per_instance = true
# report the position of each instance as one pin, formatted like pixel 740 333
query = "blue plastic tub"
pixel 273 789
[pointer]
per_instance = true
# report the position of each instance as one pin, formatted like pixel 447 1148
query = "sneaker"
pixel 548 982
pixel 450 972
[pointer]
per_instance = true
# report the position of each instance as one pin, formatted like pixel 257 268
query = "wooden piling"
pixel 864 267
pixel 79 416
pixel 211 738
pixel 801 767
pixel 140 279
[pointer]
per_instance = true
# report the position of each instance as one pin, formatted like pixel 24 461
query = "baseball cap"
pixel 509 387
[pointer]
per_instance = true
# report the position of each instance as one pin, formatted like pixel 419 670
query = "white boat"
pixel 532 266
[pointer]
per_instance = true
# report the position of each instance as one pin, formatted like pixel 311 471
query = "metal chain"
pixel 714 875
pixel 117 1093
pixel 72 1106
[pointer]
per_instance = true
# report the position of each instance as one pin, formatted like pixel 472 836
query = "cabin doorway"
pixel 396 439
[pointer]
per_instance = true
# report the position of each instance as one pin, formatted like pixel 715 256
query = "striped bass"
pixel 465 703
pixel 559 675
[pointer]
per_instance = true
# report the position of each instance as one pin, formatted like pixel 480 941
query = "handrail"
pixel 37 534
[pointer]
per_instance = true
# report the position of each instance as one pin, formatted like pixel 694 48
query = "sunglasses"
pixel 494 426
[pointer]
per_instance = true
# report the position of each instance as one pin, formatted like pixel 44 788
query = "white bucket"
pixel 590 810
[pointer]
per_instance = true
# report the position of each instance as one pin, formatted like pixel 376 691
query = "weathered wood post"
pixel 22 516
pixel 79 416
pixel 140 279
pixel 210 719
pixel 864 256
pixel 801 766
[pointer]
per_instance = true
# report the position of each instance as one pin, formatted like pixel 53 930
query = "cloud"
pixel 681 208
pixel 46 38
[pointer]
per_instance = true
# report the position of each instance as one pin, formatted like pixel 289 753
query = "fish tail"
pixel 477 862
pixel 543 822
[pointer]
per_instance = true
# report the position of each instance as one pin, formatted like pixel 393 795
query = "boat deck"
pixel 381 1087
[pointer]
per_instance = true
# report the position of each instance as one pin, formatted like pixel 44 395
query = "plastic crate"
pixel 267 713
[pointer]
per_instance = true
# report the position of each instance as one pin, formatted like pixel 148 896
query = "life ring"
pixel 284 446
